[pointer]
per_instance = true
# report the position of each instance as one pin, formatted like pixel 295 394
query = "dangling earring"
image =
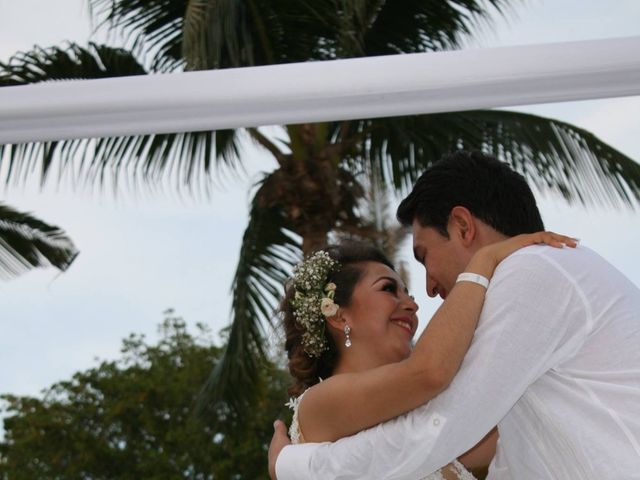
pixel 347 339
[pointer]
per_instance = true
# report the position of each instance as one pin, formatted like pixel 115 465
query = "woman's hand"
pixel 487 258
pixel 501 250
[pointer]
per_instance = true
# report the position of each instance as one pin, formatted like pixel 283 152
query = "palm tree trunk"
pixel 312 242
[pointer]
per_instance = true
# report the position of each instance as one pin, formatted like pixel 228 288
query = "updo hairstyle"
pixel 306 370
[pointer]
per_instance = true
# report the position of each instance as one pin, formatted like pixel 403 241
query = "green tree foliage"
pixel 133 419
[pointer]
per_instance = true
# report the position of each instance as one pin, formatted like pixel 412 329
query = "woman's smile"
pixel 406 323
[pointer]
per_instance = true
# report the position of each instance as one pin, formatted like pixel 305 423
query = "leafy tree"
pixel 133 418
pixel 323 169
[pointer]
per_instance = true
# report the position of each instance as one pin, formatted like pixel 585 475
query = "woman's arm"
pixel 481 455
pixel 347 403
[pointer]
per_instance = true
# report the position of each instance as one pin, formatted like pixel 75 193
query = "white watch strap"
pixel 474 278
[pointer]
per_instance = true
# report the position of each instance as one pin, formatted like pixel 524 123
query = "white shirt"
pixel 555 363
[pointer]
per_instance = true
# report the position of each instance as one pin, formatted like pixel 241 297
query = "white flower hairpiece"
pixel 313 299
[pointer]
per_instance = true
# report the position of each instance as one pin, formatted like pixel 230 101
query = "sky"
pixel 143 254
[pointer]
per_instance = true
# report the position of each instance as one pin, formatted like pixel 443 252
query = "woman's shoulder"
pixel 313 409
pixel 295 432
pixel 322 396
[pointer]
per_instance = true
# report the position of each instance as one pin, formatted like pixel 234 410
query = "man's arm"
pixel 531 321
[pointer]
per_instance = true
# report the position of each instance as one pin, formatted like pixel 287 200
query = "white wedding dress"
pixel 454 471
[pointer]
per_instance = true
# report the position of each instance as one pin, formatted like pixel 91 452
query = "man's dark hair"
pixel 488 188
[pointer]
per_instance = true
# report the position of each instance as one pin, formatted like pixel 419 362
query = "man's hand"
pixel 278 442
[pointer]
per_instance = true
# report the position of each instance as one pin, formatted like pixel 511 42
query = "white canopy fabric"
pixel 321 91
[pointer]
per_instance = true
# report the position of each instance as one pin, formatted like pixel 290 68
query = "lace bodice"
pixel 294 429
pixel 454 471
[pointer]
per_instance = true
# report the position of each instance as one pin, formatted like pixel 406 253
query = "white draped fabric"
pixel 320 91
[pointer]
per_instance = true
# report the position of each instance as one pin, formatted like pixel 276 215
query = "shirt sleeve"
pixel 534 317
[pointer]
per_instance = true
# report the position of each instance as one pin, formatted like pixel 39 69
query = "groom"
pixel 555 360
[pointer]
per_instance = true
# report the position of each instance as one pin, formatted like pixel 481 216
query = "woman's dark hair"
pixel 305 370
pixel 488 188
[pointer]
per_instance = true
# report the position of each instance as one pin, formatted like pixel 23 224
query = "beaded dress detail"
pixel 454 471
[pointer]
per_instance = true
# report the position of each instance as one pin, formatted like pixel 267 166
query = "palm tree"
pixel 321 179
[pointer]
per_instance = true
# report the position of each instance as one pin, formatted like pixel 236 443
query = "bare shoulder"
pixel 322 395
pixel 316 410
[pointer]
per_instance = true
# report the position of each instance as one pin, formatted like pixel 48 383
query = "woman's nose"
pixel 410 304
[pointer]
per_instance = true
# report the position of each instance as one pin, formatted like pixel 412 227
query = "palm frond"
pixel 72 62
pixel 370 28
pixel 224 33
pixel 27 242
pixel 153 26
pixel 216 34
pixel 554 156
pixel 187 159
pixel 268 252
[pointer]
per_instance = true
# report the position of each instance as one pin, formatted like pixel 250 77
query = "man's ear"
pixel 462 225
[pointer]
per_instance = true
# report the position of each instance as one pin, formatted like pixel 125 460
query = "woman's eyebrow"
pixel 379 279
pixel 391 279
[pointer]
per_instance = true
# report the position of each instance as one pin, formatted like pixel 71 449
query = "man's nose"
pixel 432 286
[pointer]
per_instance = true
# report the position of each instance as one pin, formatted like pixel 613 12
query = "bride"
pixel 349 323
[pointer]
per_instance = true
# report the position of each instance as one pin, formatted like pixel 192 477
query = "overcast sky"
pixel 141 256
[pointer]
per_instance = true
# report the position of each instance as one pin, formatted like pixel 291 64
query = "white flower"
pixel 328 308
pixel 330 287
